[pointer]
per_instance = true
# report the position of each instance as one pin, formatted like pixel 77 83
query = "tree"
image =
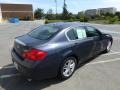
pixel 71 16
pixel 39 13
pixel 118 14
pixel 81 16
pixel 50 11
pixel 108 14
pixel 112 20
pixel 50 15
pixel 65 14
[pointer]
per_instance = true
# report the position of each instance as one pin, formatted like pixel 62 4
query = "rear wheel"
pixel 108 48
pixel 68 67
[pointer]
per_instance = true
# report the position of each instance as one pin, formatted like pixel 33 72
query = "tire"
pixel 108 48
pixel 68 67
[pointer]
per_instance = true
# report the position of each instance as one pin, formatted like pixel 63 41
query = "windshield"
pixel 44 32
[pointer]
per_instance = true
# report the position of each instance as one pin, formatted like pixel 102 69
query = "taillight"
pixel 34 55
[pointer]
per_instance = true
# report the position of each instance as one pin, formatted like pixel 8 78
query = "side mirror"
pixel 100 34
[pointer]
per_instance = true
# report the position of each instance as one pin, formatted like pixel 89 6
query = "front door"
pixel 83 45
pixel 93 33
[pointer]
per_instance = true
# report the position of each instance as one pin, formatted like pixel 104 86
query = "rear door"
pixel 83 45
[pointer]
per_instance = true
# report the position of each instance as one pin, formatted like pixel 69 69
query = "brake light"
pixel 34 55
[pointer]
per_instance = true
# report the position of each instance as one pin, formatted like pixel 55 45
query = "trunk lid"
pixel 26 42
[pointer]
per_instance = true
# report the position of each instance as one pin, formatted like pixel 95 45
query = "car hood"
pixel 107 34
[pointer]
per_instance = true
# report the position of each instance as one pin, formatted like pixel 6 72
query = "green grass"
pixel 103 22
pixel 93 21
pixel 117 22
pixel 98 21
pixel 52 21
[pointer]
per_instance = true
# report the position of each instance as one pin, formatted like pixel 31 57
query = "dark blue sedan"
pixel 56 49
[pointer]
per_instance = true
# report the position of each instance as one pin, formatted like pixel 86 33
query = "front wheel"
pixel 68 67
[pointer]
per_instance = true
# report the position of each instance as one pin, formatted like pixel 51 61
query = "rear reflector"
pixel 34 55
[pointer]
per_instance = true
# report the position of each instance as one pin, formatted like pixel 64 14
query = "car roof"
pixel 63 25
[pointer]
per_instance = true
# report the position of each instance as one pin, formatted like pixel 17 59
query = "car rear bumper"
pixel 34 70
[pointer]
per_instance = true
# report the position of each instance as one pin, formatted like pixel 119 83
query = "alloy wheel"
pixel 69 68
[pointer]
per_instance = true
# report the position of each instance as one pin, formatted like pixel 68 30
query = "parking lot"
pixel 102 73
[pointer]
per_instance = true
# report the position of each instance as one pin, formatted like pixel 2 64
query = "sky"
pixel 73 6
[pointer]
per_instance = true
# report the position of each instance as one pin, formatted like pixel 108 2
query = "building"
pixel 22 11
pixel 110 10
pixel 91 12
pixel 99 11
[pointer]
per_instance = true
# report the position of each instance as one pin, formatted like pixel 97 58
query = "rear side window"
pixel 71 35
pixel 44 32
pixel 76 33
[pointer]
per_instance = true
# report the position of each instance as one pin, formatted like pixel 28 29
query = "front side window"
pixel 91 32
pixel 76 33
pixel 81 33
pixel 44 32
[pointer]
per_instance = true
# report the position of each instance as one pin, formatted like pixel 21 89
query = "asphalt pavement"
pixel 102 73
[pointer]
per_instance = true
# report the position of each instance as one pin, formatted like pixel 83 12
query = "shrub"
pixel 46 21
pixel 70 20
pixel 84 19
pixel 112 20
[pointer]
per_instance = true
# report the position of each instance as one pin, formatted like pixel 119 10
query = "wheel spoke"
pixel 66 72
pixel 68 68
pixel 72 66
pixel 65 67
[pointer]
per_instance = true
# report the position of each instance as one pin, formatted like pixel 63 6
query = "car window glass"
pixel 71 34
pixel 91 32
pixel 76 33
pixel 44 32
pixel 81 33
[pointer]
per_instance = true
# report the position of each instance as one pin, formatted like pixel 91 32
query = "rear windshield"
pixel 44 32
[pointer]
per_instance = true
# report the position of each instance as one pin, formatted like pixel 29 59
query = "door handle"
pixel 76 43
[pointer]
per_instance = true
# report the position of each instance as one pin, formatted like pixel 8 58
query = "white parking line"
pixel 7 67
pixel 117 38
pixel 113 32
pixel 105 61
pixel 92 63
pixel 112 53
pixel 8 76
